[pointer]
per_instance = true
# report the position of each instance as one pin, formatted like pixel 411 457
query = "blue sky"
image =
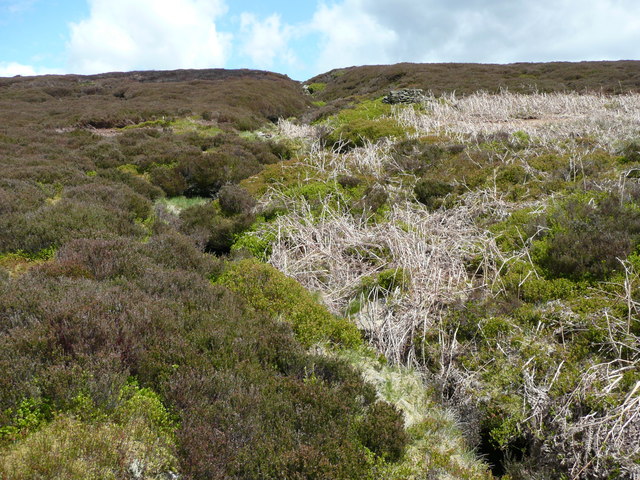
pixel 305 38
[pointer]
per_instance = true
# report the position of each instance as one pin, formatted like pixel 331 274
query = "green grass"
pixel 177 204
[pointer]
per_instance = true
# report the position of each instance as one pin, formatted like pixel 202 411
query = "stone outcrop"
pixel 406 95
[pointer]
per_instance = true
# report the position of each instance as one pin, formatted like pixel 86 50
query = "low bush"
pixel 373 199
pixel 172 183
pixel 348 181
pixel 20 196
pixel 162 248
pixel 416 157
pixel 210 228
pixel 235 200
pixel 137 183
pixel 430 192
pixel 53 225
pixel 587 238
pixel 206 173
pixel 118 197
pixel 631 152
pixel 382 432
pixel 249 401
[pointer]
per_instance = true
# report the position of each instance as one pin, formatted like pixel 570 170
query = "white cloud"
pixel 359 32
pixel 352 35
pixel 148 34
pixel 11 69
pixel 266 41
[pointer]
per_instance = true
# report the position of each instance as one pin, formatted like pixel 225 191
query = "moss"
pixel 269 291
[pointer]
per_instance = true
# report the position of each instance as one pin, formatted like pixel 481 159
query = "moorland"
pixel 228 274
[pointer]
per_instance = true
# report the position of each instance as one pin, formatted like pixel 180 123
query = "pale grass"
pixel 296 131
pixel 437 447
pixel 332 251
pixel 548 118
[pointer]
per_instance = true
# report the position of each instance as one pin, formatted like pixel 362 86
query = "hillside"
pixel 464 78
pixel 222 274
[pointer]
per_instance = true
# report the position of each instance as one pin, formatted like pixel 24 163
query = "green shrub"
pixel 511 175
pixel 271 292
pixel 316 87
pixel 235 200
pixel 27 418
pixel 382 432
pixel 258 244
pixel 138 439
pixel 587 238
pixel 171 182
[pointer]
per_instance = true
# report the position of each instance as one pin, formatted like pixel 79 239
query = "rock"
pixel 406 95
pixel 136 469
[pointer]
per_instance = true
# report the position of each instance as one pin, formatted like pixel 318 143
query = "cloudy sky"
pixel 306 37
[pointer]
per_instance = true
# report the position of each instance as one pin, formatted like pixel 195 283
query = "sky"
pixel 303 38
